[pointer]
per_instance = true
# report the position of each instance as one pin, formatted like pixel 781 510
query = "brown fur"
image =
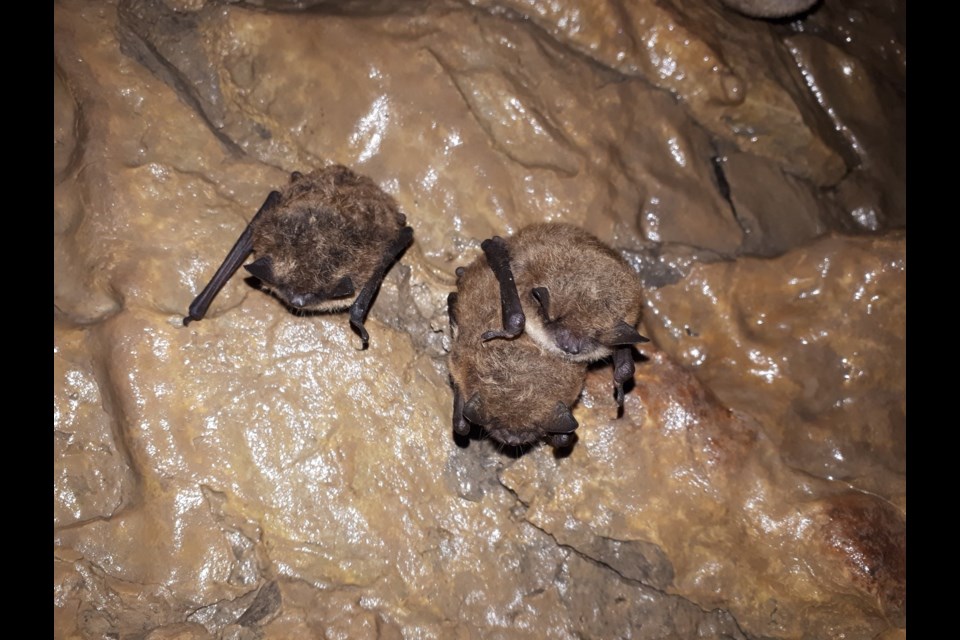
pixel 518 382
pixel 591 288
pixel 329 224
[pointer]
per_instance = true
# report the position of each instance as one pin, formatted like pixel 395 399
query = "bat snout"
pixel 299 301
pixel 567 342
pixel 514 438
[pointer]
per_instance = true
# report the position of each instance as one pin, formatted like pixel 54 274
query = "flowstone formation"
pixel 258 475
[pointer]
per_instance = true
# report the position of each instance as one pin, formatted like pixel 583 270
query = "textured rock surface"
pixel 819 557
pixel 822 331
pixel 255 475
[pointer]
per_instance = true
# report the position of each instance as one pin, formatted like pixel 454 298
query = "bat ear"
pixel 623 334
pixel 341 175
pixel 452 312
pixel 343 288
pixel 460 425
pixel 296 175
pixel 261 268
pixel 542 296
pixel 563 422
pixel 471 410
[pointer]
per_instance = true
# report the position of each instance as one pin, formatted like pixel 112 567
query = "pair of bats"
pixel 331 231
pixel 565 299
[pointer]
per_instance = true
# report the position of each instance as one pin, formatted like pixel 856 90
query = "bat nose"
pixel 567 341
pixel 515 439
pixel 569 344
pixel 298 301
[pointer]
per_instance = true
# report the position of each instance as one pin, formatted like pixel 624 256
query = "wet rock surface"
pixel 257 475
pixel 822 331
pixel 725 484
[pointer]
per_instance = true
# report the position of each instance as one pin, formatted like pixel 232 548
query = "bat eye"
pixel 542 296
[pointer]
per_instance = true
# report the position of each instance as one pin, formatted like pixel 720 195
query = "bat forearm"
pixel 241 249
pixel 361 306
pixel 498 257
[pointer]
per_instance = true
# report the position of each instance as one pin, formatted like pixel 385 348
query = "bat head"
pixel 300 290
pixel 519 393
pixel 554 424
pixel 312 255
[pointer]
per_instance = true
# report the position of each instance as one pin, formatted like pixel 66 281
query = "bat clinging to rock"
pixel 571 293
pixel 322 243
pixel 517 391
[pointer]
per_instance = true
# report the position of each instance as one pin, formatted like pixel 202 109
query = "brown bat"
pixel 517 391
pixel 571 293
pixel 316 240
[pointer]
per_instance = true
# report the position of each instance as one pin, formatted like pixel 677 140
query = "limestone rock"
pixel 92 477
pixel 701 487
pixel 256 475
pixel 812 344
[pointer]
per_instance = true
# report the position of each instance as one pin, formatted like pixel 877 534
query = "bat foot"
pixel 512 327
pixel 619 395
pixel 364 336
pixel 623 370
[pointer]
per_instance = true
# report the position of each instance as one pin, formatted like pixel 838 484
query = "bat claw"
pixel 623 370
pixel 491 335
pixel 363 333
